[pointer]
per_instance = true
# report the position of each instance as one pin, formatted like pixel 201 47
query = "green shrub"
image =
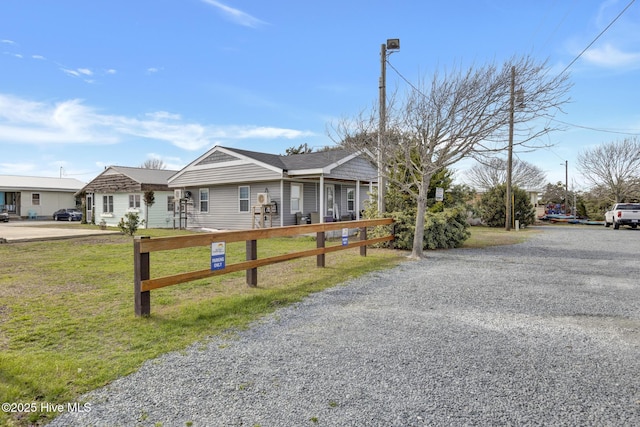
pixel 442 230
pixel 129 223
pixel 493 207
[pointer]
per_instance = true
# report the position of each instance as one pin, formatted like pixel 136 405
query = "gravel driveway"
pixel 542 333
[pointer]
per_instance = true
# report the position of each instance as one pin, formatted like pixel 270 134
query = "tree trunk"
pixel 418 235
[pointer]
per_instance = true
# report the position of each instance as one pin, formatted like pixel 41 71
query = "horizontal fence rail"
pixel 143 246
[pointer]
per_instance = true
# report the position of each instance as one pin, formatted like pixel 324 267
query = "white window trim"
pixel 248 199
pixel 300 200
pixel 137 200
pixel 107 196
pixel 39 199
pixel 202 191
pixel 353 189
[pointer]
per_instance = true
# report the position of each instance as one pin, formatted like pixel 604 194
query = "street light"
pixel 392 45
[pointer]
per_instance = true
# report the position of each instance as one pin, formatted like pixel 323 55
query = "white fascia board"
pixel 307 172
pixel 241 161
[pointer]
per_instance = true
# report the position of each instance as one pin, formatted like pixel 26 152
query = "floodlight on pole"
pixel 387 49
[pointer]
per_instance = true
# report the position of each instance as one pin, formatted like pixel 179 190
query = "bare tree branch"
pixel 614 165
pixel 153 164
pixel 489 174
pixel 457 115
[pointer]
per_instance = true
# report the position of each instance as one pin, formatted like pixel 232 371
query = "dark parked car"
pixel 72 214
pixel 4 217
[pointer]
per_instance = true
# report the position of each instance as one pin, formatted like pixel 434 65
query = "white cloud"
pixel 269 133
pixel 612 57
pixel 72 122
pixel 17 168
pixel 236 15
pixel 40 57
pixel 161 115
pixel 5 41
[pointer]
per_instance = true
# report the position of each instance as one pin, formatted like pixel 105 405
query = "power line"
pixel 597 37
pixel 595 129
pixel 405 79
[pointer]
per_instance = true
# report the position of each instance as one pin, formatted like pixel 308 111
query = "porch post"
pixel 321 199
pixel 281 210
pixel 357 207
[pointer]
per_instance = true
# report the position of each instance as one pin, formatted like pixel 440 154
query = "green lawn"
pixel 67 322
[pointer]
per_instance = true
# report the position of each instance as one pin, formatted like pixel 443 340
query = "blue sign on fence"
pixel 345 236
pixel 218 255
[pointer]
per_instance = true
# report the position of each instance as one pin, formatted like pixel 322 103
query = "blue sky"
pixel 87 84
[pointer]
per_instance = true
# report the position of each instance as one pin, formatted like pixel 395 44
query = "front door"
pixel 329 199
pixel 90 208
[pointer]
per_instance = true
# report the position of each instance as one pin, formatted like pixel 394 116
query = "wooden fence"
pixel 143 246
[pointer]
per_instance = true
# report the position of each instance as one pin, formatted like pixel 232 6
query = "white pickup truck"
pixel 623 214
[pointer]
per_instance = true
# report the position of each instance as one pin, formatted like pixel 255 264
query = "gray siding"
pixel 224 209
pixel 357 168
pixel 224 206
pixel 311 197
pixel 221 175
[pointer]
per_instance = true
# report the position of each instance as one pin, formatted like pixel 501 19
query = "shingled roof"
pixel 316 160
pixel 128 179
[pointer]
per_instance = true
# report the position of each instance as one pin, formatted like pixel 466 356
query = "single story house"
pixel 37 197
pixel 119 189
pixel 228 188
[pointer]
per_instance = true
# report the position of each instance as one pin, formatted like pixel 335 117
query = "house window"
pixel 243 197
pixel 204 200
pixel 296 198
pixel 134 201
pixel 35 199
pixel 351 199
pixel 107 204
pixel 171 204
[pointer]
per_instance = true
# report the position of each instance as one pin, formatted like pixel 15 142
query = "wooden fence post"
pixel 141 272
pixel 252 254
pixel 320 244
pixel 363 236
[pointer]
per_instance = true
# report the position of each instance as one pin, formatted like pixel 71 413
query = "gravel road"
pixel 545 332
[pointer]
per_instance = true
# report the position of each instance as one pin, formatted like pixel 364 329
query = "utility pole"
pixel 508 220
pixel 566 187
pixel 392 45
pixel 382 126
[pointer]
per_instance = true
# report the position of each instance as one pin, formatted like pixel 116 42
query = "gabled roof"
pixel 274 160
pixel 35 183
pixel 317 160
pixel 145 175
pixel 298 165
pixel 107 180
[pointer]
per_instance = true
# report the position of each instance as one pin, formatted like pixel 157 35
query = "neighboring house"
pixel 36 197
pixel 228 188
pixel 119 190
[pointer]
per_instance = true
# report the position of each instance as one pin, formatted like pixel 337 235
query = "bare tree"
pixel 458 115
pixel 614 165
pixel 491 173
pixel 153 164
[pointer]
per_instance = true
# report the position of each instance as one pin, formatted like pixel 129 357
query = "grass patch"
pixel 66 306
pixel 482 237
pixel 67 324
